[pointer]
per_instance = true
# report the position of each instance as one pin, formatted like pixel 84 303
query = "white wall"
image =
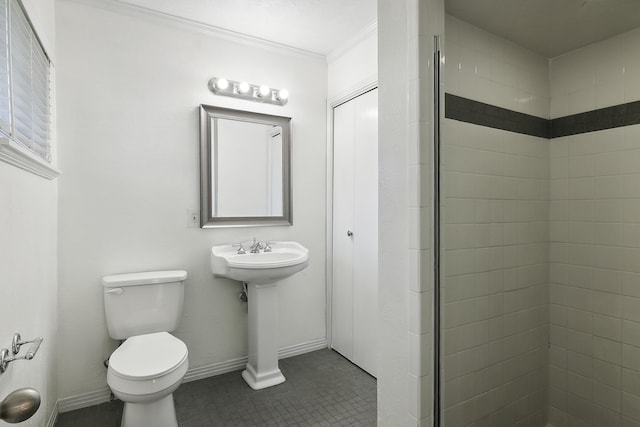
pixel 28 263
pixel 349 69
pixel 129 89
pixel 28 256
pixel 393 388
pixel 42 16
pixel 595 242
pixel 405 380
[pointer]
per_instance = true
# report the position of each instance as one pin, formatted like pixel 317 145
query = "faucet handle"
pixel 267 247
pixel 241 250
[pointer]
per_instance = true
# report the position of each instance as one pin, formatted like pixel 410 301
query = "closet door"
pixel 343 179
pixel 355 231
pixel 365 237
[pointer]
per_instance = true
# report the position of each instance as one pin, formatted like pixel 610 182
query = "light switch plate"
pixel 193 218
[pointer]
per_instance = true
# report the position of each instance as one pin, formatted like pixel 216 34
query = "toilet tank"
pixel 143 303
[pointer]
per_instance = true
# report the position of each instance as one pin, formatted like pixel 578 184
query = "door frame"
pixel 361 88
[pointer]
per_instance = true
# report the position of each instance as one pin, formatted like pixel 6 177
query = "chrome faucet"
pixel 256 246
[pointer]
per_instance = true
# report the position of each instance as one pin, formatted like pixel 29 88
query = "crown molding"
pixel 370 29
pixel 121 7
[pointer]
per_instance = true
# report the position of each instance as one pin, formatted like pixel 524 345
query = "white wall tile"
pixel 506 176
pixel 630 357
pixel 607 373
pixel 631 406
pixel 585 190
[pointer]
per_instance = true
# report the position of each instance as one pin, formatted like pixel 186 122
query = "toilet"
pixel 145 370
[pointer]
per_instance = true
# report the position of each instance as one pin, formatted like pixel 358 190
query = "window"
pixel 25 102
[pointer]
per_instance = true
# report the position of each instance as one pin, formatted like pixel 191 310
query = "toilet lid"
pixel 148 356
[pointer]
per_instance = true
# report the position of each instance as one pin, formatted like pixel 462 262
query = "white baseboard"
pixel 83 400
pixel 239 363
pixel 53 416
pixel 207 371
pixel 91 398
pixel 298 349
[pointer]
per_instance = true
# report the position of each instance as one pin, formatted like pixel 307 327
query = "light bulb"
pixel 243 87
pixel 264 90
pixel 283 94
pixel 222 84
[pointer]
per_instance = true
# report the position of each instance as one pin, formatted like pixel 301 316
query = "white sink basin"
pixel 261 271
pixel 284 260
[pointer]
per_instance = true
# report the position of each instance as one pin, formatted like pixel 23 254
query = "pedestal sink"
pixel 261 272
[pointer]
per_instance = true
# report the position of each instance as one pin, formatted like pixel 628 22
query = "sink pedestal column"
pixel 262 370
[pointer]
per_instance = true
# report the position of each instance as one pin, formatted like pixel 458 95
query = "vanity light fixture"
pixel 264 91
pixel 250 92
pixel 222 84
pixel 243 87
pixel 283 94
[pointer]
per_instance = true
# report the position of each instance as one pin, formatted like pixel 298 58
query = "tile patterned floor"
pixel 322 389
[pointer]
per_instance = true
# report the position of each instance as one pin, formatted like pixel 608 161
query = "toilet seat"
pixel 148 356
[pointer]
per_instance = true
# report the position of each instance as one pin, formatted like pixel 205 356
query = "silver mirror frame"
pixel 207 220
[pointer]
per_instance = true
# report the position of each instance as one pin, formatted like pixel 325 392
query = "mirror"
pixel 244 168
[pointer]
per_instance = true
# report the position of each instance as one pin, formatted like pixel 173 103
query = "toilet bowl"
pixel 144 372
pixel 141 309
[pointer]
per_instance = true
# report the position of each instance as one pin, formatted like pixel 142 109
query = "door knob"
pixel 349 233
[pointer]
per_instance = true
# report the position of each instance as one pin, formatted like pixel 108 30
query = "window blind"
pixel 5 101
pixel 24 92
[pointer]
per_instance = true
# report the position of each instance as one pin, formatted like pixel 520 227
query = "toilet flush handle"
pixel 116 291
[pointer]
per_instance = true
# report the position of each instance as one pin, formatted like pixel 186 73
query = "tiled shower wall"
pixel 495 238
pixel 594 373
pixel 521 211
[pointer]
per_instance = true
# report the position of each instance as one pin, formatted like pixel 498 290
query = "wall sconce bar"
pixel 250 92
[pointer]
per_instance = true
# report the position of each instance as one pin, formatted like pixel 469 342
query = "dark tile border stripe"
pixel 604 118
pixel 479 113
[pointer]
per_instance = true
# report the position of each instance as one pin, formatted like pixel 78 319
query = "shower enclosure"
pixel 540 223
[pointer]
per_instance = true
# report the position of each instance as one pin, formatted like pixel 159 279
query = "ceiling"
pixel 549 27
pixel 318 26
